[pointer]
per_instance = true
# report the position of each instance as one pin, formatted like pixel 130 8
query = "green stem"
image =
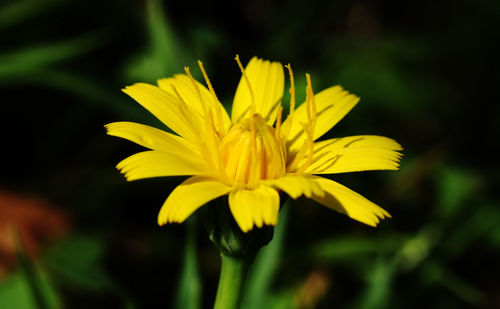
pixel 232 279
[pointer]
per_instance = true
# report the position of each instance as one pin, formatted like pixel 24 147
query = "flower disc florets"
pixel 252 151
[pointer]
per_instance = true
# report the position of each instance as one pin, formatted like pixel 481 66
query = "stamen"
pixel 310 147
pixel 193 81
pixel 313 104
pixel 212 91
pixel 300 155
pixel 292 100
pixel 253 132
pixel 308 106
pixel 253 148
pixel 242 164
pixel 292 89
pixel 207 80
pixel 276 165
pixel 311 123
pixel 219 131
pixel 254 173
pixel 201 144
pixel 252 106
pixel 214 143
pixel 184 110
pixel 278 124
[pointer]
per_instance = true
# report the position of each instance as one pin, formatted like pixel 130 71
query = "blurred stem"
pixel 28 269
pixel 237 251
pixel 188 296
pixel 232 279
pixel 260 276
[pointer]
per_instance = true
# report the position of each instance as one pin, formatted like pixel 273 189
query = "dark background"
pixel 426 72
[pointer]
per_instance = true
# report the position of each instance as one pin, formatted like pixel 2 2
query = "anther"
pixel 212 91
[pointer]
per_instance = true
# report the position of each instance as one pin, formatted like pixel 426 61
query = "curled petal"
pixel 295 186
pixel 254 207
pixel 346 201
pixel 190 195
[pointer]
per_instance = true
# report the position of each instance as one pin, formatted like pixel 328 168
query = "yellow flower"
pixel 245 156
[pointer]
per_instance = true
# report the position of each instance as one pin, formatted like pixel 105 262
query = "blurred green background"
pixel 75 234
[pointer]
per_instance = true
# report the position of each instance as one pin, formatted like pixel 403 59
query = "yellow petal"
pixel 153 163
pixel 267 81
pixel 354 154
pixel 332 105
pixel 295 186
pixel 258 206
pixel 346 201
pixel 190 95
pixel 359 141
pixel 150 137
pixel 165 107
pixel 190 195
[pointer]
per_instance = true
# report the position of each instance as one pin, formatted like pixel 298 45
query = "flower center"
pixel 252 151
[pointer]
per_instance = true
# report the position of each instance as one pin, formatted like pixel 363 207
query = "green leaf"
pixel 76 261
pixel 163 58
pixel 344 247
pixel 455 186
pixel 16 293
pixel 31 59
pixel 282 300
pixel 28 288
pixel 417 249
pixel 165 47
pixel 377 293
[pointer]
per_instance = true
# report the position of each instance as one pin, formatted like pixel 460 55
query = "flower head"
pixel 255 153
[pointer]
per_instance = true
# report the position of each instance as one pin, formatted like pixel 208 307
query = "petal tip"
pixel 127 89
pixel 108 128
pixel 245 229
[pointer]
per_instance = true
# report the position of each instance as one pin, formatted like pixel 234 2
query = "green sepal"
pixel 227 236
